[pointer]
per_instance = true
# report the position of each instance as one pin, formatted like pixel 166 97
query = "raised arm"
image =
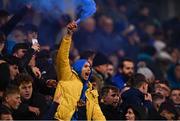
pixel 63 66
pixel 8 27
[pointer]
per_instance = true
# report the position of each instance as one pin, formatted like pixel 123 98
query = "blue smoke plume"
pixel 86 9
pixel 82 8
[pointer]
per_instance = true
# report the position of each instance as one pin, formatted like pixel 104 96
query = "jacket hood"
pixel 78 65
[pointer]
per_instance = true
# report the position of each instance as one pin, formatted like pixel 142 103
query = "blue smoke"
pixel 83 8
pixel 86 8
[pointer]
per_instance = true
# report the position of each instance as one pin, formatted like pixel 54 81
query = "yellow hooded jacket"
pixel 70 87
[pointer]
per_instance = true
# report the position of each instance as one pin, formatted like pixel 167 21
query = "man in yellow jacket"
pixel 78 101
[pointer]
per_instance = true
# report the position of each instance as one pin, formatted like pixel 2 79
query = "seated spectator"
pixel 33 104
pixel 109 102
pixel 11 100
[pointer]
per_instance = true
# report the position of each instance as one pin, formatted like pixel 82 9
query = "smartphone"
pixel 34 41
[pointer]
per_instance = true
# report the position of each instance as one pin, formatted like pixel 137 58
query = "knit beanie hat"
pixel 146 72
pixel 100 59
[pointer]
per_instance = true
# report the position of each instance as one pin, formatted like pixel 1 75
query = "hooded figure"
pixel 78 100
pixel 80 114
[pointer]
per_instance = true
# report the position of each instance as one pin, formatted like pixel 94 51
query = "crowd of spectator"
pixel 134 58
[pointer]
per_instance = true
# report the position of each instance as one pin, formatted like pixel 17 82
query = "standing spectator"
pixel 25 54
pixel 13 67
pixel 4 77
pixel 131 44
pixel 148 56
pixel 5 115
pixel 19 50
pixel 132 113
pixel 162 88
pixel 168 111
pixel 85 38
pixel 31 32
pixel 33 104
pixel 6 25
pixel 124 73
pixel 142 69
pixel 78 99
pixel 109 102
pixel 16 36
pixel 48 74
pixel 171 28
pixel 2 43
pixel 157 100
pixel 89 55
pixel 174 76
pixel 4 17
pixel 175 97
pixel 99 71
pixel 108 41
pixel 138 95
pixel 11 100
pixel 27 62
pixel 110 73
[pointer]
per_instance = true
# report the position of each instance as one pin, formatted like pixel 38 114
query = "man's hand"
pixel 51 83
pixel 34 110
pixel 148 97
pixel 36 47
pixel 71 27
pixel 36 72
